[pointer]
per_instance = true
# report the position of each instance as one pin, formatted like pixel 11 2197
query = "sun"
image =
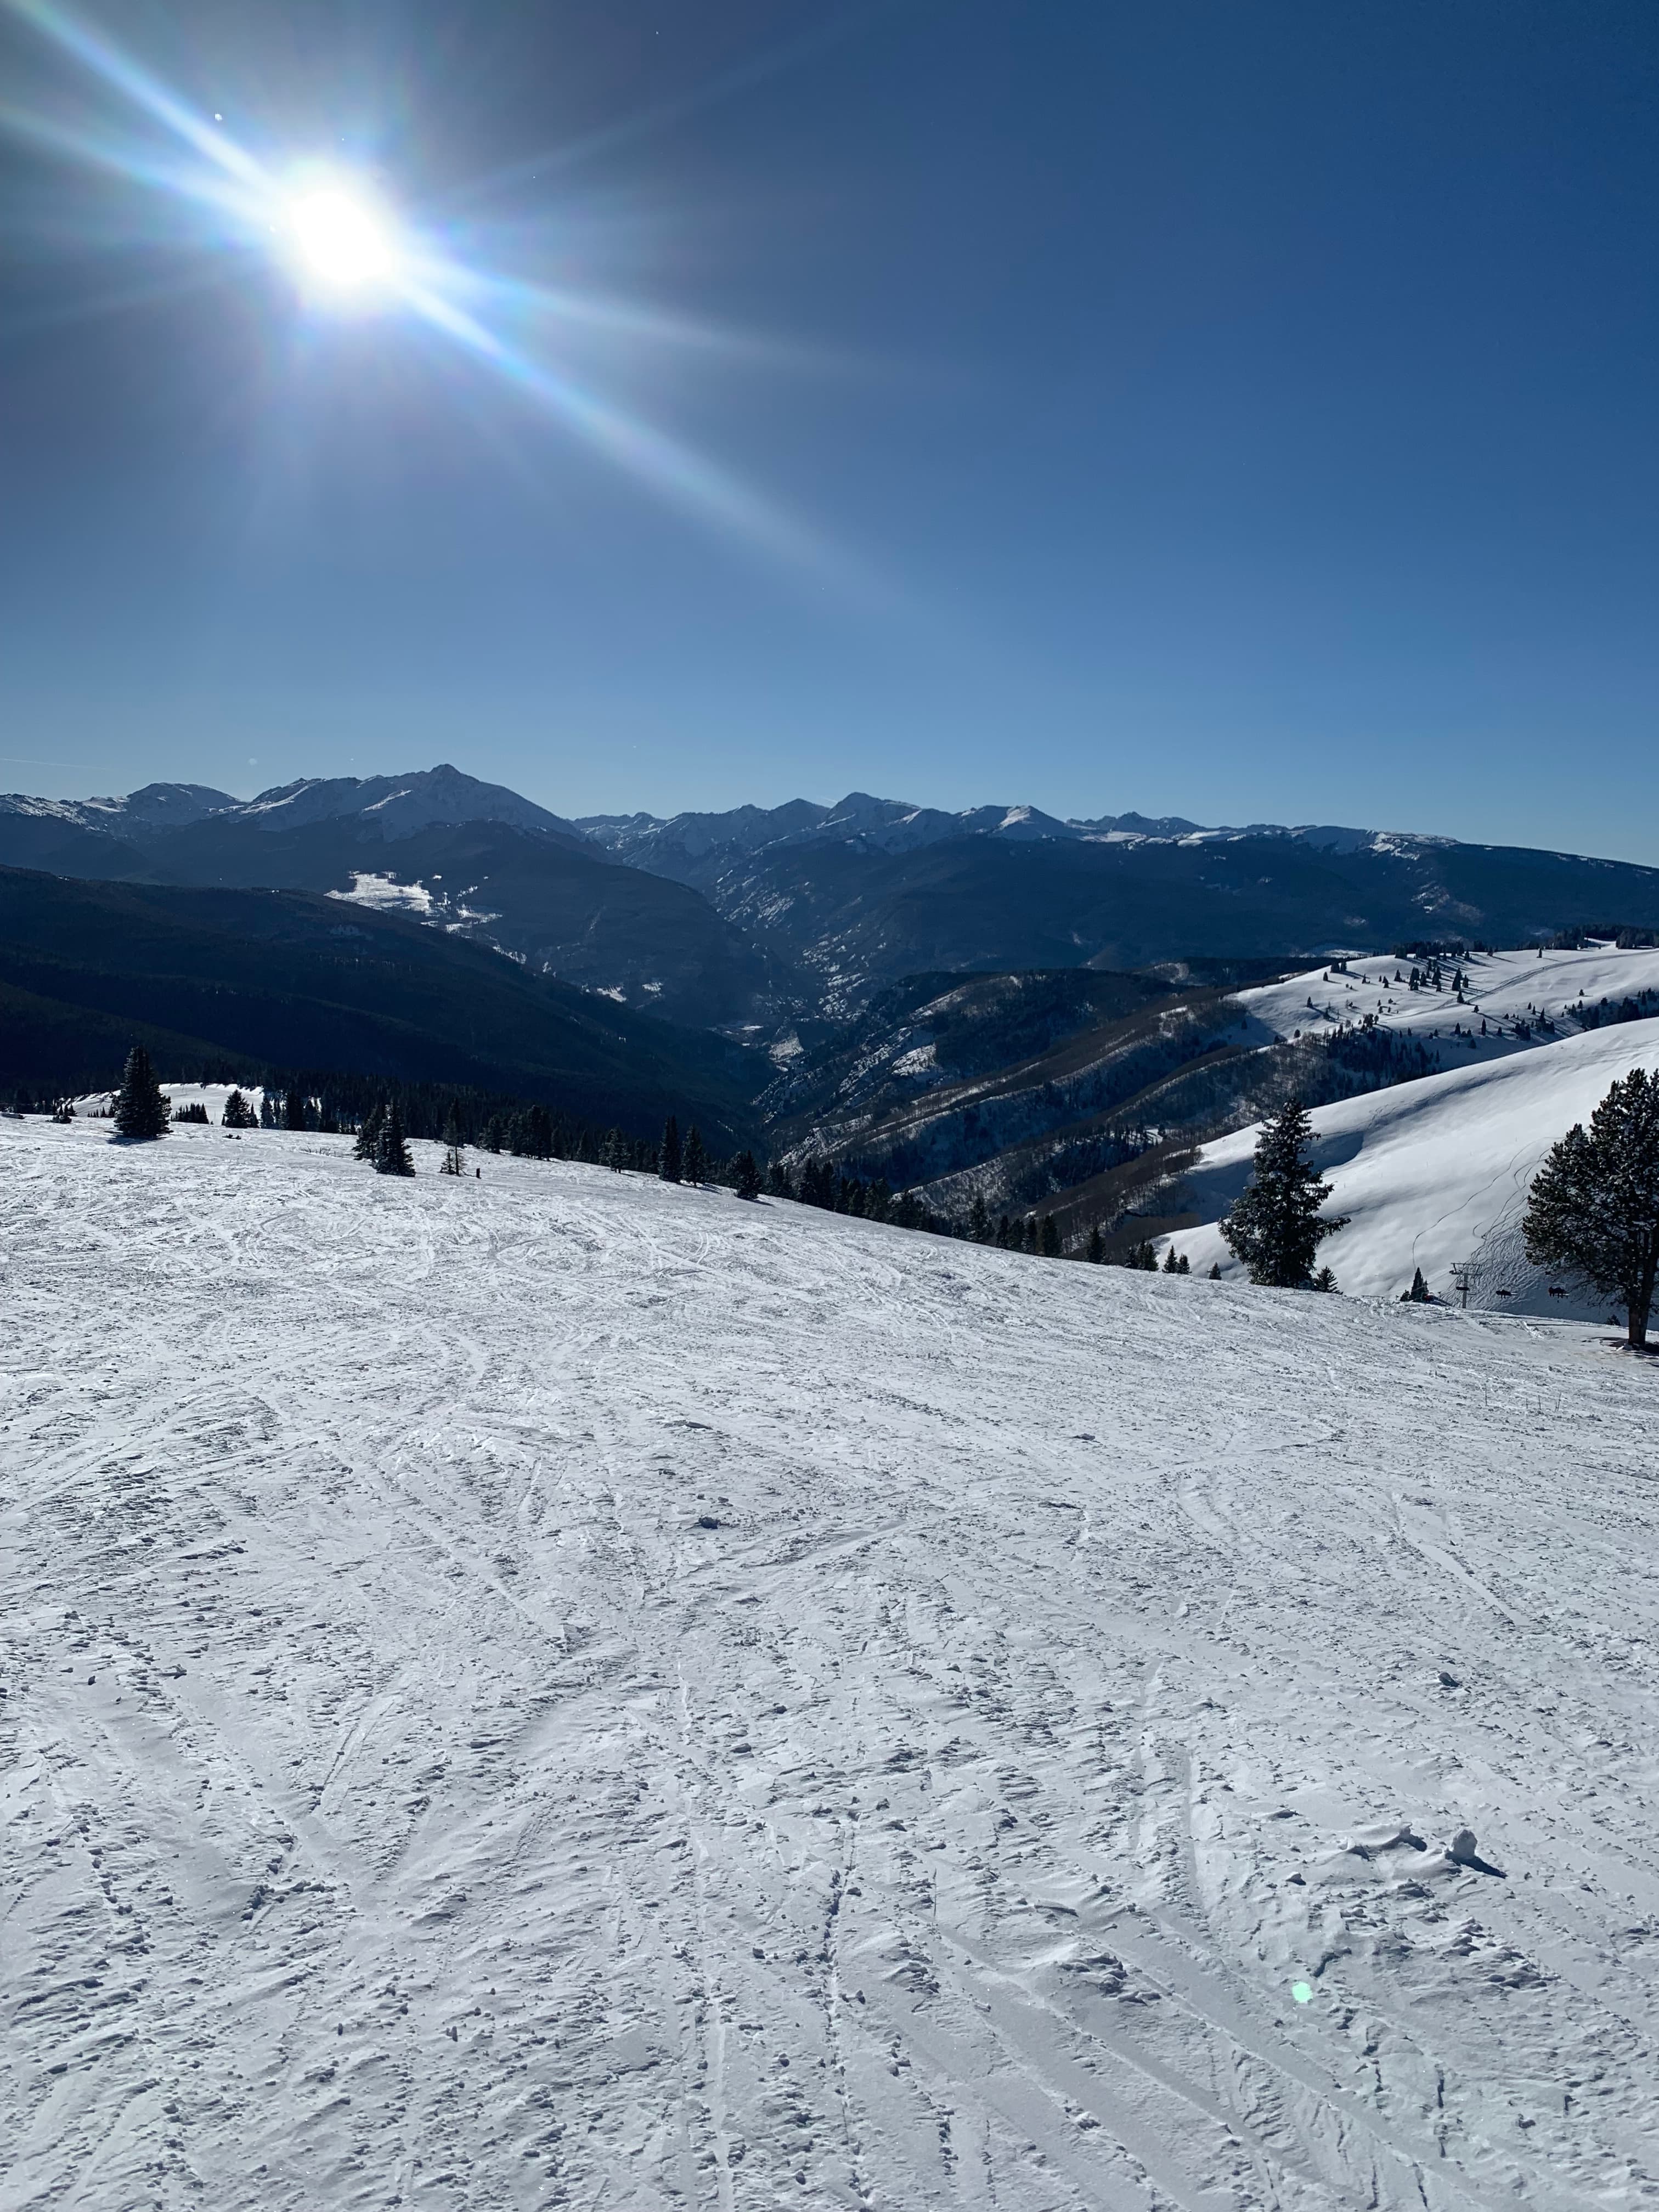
pixel 343 244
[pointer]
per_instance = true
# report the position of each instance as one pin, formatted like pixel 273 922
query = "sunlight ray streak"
pixel 263 207
pixel 646 452
pixel 106 61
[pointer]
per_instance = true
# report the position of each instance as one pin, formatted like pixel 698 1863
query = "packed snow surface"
pixel 1506 992
pixel 555 1690
pixel 1435 1174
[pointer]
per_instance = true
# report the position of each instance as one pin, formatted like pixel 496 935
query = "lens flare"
pixel 340 242
pixel 347 249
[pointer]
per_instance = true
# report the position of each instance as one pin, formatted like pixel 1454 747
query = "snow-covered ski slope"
pixel 560 1690
pixel 1506 991
pixel 1435 1174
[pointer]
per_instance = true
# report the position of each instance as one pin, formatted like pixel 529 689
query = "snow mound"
pixel 1435 1174
pixel 555 1689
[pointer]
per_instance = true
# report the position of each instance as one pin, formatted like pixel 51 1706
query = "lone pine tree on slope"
pixel 696 1160
pixel 140 1108
pixel 452 1144
pixel 1275 1226
pixel 391 1153
pixel 1593 1207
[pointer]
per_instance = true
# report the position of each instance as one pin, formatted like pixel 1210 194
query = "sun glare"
pixel 342 243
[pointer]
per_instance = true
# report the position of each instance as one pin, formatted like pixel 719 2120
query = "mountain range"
pixel 756 919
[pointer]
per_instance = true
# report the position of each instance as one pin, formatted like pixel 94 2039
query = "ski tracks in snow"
pixel 562 1691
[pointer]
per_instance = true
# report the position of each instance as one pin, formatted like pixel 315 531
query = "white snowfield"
pixel 1435 1174
pixel 560 1690
pixel 1502 989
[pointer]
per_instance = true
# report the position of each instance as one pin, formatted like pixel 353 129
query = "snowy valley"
pixel 557 1689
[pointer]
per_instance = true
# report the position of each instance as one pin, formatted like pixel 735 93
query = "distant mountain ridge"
pixel 689 845
pixel 756 918
pixel 472 859
pixel 391 805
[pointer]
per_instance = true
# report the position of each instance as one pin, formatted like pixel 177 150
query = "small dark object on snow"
pixel 706 1521
pixel 1462 1852
pixel 1449 1682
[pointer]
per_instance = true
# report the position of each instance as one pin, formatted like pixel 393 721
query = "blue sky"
pixel 1243 411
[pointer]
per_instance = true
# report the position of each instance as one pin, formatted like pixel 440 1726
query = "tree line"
pixel 1593 1209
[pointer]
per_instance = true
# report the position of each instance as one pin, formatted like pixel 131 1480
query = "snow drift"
pixel 557 1690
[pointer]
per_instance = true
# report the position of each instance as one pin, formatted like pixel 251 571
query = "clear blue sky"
pixel 1244 410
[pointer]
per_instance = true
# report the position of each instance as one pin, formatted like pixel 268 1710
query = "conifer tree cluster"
pixel 823 1184
pixel 141 1110
pixel 238 1114
pixel 391 1153
pixel 1593 1210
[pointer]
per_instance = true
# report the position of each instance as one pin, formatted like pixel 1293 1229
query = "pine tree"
pixel 1096 1246
pixel 695 1163
pixel 1324 1280
pixel 1050 1237
pixel 670 1169
pixel 615 1151
pixel 1005 1235
pixel 1419 1293
pixel 538 1134
pixel 294 1110
pixel 495 1133
pixel 1183 1266
pixel 1275 1226
pixel 1215 1271
pixel 238 1114
pixel 777 1180
pixel 978 1220
pixel 367 1146
pixel 453 1144
pixel 1170 1267
pixel 748 1176
pixel 391 1153
pixel 1593 1207
pixel 141 1111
